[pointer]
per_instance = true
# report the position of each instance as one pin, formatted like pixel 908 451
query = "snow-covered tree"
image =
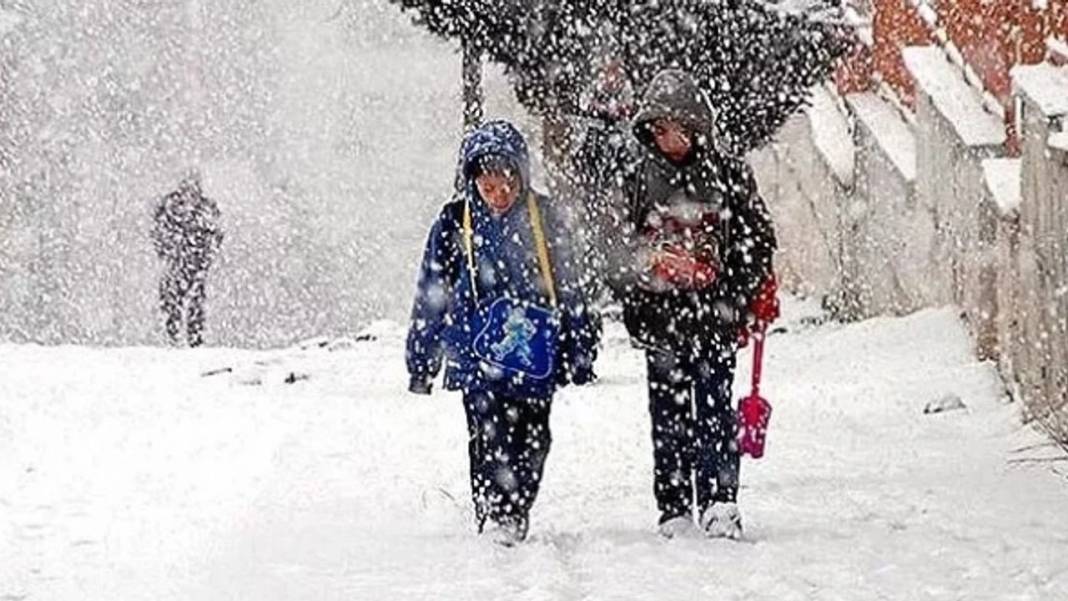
pixel 756 60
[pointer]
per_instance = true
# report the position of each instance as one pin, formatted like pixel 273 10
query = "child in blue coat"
pixel 498 303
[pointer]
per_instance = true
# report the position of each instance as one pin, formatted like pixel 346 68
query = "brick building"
pixel 984 38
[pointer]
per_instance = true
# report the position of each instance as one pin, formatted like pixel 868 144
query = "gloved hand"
pixel 742 337
pixel 420 385
pixel 763 310
pixel 583 376
pixel 765 305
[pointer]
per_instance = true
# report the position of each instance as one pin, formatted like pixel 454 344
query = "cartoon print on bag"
pixel 518 333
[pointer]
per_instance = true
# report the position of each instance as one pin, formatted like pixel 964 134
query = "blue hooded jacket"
pixel 443 315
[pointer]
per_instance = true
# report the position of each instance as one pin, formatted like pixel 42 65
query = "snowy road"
pixel 126 475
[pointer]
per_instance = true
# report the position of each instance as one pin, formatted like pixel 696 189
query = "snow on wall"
pixel 1002 178
pixel 1059 141
pixel 1045 85
pixel 1058 48
pixel 957 101
pixel 1040 355
pixel 983 233
pixel 803 195
pixel 830 131
pixel 889 129
pixel 891 237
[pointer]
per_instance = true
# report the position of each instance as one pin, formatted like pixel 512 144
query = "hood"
pixel 674 95
pixel 499 138
pixel 190 181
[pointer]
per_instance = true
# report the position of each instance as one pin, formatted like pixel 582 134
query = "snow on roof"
pixel 1002 178
pixel 8 21
pixel 961 105
pixel 1043 84
pixel 830 133
pixel 889 129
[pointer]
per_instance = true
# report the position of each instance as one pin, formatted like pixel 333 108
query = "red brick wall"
pixel 993 36
pixel 896 25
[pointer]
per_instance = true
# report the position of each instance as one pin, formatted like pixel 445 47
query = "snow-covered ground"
pixel 127 475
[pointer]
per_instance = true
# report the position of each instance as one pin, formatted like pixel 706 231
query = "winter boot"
pixel 722 520
pixel 675 527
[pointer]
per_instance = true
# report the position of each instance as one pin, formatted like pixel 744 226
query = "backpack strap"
pixel 544 260
pixel 469 247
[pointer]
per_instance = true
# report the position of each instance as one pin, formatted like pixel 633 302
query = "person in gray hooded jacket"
pixel 700 251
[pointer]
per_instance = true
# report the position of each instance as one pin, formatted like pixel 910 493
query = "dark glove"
pixel 742 337
pixel 583 376
pixel 420 385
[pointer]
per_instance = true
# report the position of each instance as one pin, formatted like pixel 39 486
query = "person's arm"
pixel 437 275
pixel 622 247
pixel 215 234
pixel 751 247
pixel 161 232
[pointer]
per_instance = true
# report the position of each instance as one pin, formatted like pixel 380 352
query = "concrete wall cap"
pixel 889 129
pixel 1045 85
pixel 1003 182
pixel 830 134
pixel 1059 141
pixel 951 96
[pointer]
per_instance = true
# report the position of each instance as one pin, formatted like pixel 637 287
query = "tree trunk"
pixel 197 105
pixel 556 148
pixel 472 84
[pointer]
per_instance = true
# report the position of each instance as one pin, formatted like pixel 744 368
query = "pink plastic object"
pixel 754 411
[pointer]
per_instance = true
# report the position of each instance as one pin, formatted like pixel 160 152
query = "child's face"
pixel 498 189
pixel 672 139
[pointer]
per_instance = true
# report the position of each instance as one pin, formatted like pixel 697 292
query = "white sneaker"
pixel 676 527
pixel 722 520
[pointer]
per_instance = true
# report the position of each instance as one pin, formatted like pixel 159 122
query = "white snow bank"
pixel 1003 181
pixel 953 98
pixel 1045 85
pixel 889 129
pixel 126 475
pixel 830 133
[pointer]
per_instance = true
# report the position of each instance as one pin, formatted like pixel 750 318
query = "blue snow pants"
pixel 509 441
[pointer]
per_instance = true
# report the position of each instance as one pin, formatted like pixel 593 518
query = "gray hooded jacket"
pixel 695 320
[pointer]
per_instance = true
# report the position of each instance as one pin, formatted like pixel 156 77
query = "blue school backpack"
pixel 516 341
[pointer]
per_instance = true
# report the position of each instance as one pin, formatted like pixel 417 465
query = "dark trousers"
pixel 509 441
pixel 181 294
pixel 695 451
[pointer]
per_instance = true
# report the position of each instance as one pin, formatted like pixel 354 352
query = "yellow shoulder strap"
pixel 469 248
pixel 544 261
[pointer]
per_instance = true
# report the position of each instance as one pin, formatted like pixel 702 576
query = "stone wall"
pixel 1039 359
pixel 933 214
